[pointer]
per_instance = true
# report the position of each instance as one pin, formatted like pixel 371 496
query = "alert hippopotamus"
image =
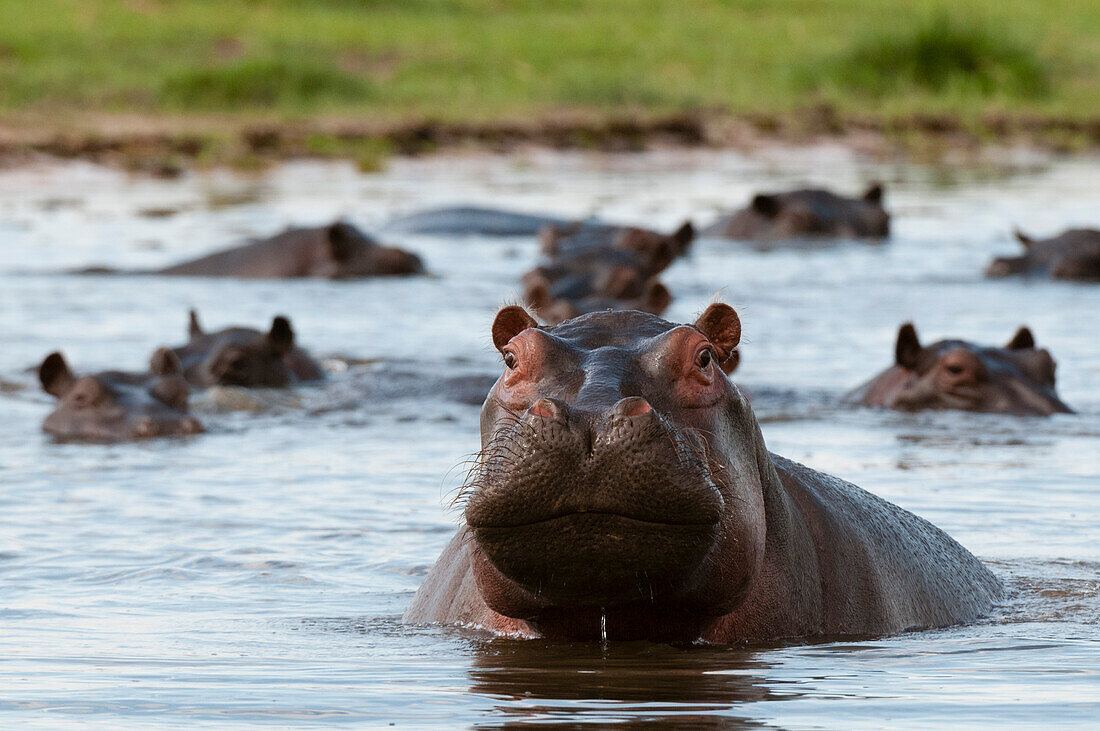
pixel 955 374
pixel 337 251
pixel 241 356
pixel 806 213
pixel 1073 254
pixel 114 406
pixel 623 489
pixel 473 221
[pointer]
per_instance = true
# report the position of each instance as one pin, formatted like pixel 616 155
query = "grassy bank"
pixel 216 67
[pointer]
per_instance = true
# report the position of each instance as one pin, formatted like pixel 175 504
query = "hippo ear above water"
pixel 874 193
pixel 510 322
pixel 1022 340
pixel 281 336
pixel 908 347
pixel 683 236
pixel 194 329
pixel 766 205
pixel 165 363
pixel 722 326
pixel 342 238
pixel 55 375
pixel 1022 237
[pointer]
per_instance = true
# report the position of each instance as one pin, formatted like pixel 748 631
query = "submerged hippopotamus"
pixel 955 374
pixel 600 268
pixel 337 251
pixel 473 221
pixel 624 490
pixel 654 299
pixel 810 212
pixel 242 356
pixel 1073 254
pixel 114 406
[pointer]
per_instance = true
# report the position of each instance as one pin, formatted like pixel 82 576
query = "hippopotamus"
pixel 955 374
pixel 336 251
pixel 113 406
pixel 242 356
pixel 806 213
pixel 581 238
pixel 624 491
pixel 1073 254
pixel 474 221
pixel 654 299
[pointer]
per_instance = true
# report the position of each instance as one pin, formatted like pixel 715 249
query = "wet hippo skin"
pixel 242 356
pixel 336 251
pixel 806 213
pixel 1072 255
pixel 114 406
pixel 473 221
pixel 954 374
pixel 624 489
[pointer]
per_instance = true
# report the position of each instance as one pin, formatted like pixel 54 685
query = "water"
pixel 257 574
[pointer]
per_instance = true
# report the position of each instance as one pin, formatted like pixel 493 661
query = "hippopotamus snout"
pixel 581 507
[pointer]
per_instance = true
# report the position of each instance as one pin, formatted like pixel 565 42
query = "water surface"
pixel 257 574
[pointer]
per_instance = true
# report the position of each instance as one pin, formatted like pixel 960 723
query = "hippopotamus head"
pixel 1074 254
pixel 350 254
pixel 239 356
pixel 954 374
pixel 114 406
pixel 810 212
pixel 620 473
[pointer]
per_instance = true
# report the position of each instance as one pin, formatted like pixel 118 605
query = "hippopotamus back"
pixel 337 251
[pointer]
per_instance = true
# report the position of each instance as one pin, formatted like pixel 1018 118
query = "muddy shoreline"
pixel 168 147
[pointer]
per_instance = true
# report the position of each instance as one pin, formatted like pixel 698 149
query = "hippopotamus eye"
pixel 509 359
pixel 955 369
pixel 704 358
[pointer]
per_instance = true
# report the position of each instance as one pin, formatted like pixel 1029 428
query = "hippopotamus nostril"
pixel 548 409
pixel 631 406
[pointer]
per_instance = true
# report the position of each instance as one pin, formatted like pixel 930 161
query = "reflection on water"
pixel 255 574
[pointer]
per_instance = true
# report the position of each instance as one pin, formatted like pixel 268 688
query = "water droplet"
pixel 603 625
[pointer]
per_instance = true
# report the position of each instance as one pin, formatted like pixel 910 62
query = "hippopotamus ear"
pixel 874 193
pixel 1022 340
pixel 766 205
pixel 549 236
pixel 908 347
pixel 510 322
pixel 683 236
pixel 281 336
pixel 657 297
pixel 722 326
pixel 341 238
pixel 55 375
pixel 165 363
pixel 194 329
pixel 1022 237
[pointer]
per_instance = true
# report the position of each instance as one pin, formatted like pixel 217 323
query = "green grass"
pixel 479 60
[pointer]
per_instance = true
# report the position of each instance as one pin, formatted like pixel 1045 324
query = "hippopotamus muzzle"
pixel 589 508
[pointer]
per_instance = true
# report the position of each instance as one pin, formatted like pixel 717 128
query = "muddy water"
pixel 258 573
